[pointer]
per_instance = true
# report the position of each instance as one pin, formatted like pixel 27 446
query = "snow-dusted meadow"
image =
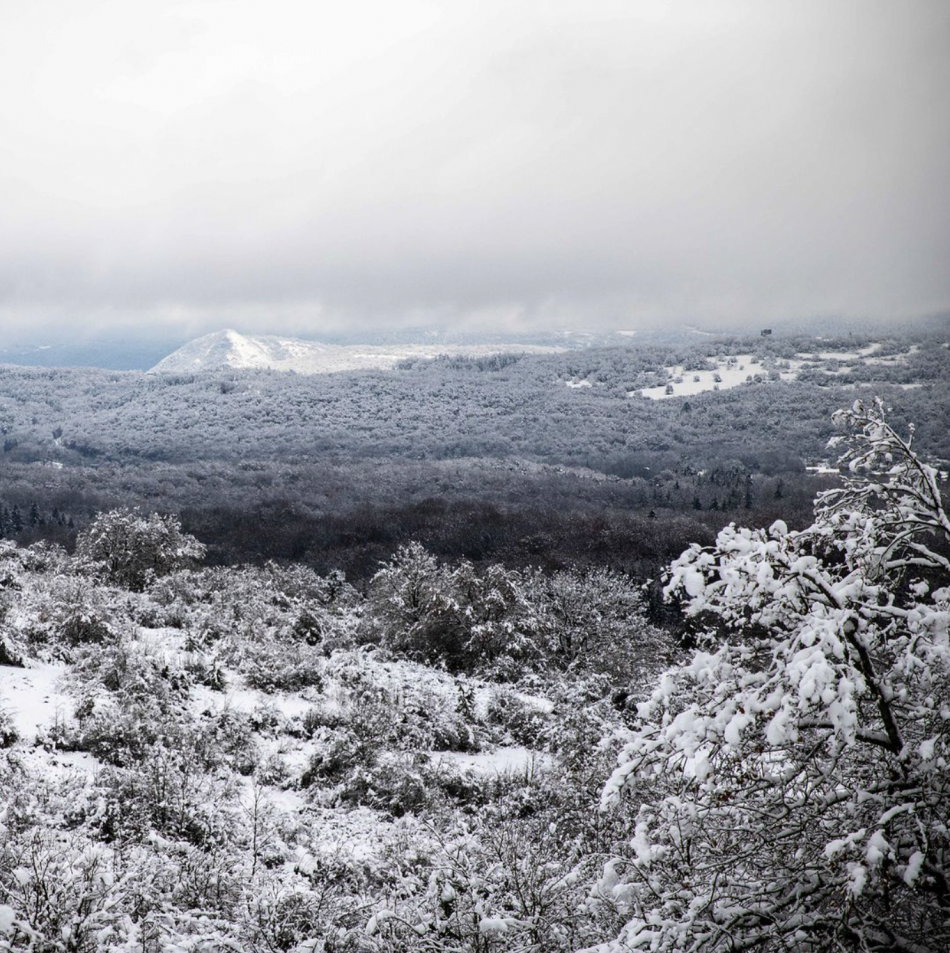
pixel 269 759
pixel 731 371
pixel 736 370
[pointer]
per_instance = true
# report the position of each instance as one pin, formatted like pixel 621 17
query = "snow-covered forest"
pixel 469 755
pixel 491 459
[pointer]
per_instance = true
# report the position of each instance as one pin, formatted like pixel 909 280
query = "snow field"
pixel 732 371
pixel 32 698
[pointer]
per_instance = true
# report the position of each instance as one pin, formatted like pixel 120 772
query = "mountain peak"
pixel 228 350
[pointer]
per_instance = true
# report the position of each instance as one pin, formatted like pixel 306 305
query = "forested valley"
pixel 491 458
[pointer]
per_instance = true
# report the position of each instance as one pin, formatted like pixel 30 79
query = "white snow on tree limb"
pixel 793 778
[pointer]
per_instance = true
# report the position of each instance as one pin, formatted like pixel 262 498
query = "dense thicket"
pixel 353 516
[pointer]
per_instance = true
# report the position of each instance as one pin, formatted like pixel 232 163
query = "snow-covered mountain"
pixel 228 349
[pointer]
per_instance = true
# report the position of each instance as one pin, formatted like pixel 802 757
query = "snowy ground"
pixel 738 369
pixel 499 761
pixel 844 355
pixel 37 697
pixel 731 371
pixel 31 697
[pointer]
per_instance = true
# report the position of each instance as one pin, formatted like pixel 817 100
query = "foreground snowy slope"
pixel 265 759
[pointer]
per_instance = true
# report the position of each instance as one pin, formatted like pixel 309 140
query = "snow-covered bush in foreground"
pixel 134 549
pixel 793 779
pixel 456 615
pixel 500 622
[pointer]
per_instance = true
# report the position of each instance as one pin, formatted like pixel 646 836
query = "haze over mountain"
pixel 186 166
pixel 229 350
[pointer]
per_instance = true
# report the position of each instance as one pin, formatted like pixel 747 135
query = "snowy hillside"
pixel 229 350
pixel 264 759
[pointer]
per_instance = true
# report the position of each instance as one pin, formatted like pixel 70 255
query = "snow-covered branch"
pixel 792 779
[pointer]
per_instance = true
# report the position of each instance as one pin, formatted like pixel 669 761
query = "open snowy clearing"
pixel 843 355
pixel 31 698
pixel 731 372
pixel 500 761
pixel 735 370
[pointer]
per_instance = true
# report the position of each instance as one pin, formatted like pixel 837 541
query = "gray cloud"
pixel 308 166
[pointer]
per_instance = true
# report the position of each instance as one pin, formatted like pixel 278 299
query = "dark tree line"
pixel 487 459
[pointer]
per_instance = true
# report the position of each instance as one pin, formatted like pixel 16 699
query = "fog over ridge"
pixel 302 168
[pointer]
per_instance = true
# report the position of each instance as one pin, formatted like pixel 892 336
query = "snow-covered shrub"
pixel 516 720
pixel 457 616
pixel 128 697
pixel 11 585
pixel 56 611
pixel 111 735
pixel 302 605
pixel 338 752
pixel 501 623
pixel 10 651
pixel 44 558
pixel 500 885
pixel 58 894
pixel 790 781
pixel 204 668
pixel 131 668
pixel 280 667
pixel 271 625
pixel 80 627
pixel 227 736
pixel 396 784
pixel 378 706
pixel 134 549
pixel 594 620
pixel 8 733
pixel 170 792
pixel 410 706
pixel 584 739
pixel 282 918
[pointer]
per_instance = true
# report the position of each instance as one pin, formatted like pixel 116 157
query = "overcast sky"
pixel 313 166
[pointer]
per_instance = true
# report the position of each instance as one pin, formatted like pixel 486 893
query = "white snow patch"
pixel 732 371
pixel 844 355
pixel 250 699
pixel 31 697
pixel 913 868
pixel 499 761
pixel 7 919
pixel 538 702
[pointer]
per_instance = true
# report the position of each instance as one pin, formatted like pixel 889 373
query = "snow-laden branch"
pixel 793 779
